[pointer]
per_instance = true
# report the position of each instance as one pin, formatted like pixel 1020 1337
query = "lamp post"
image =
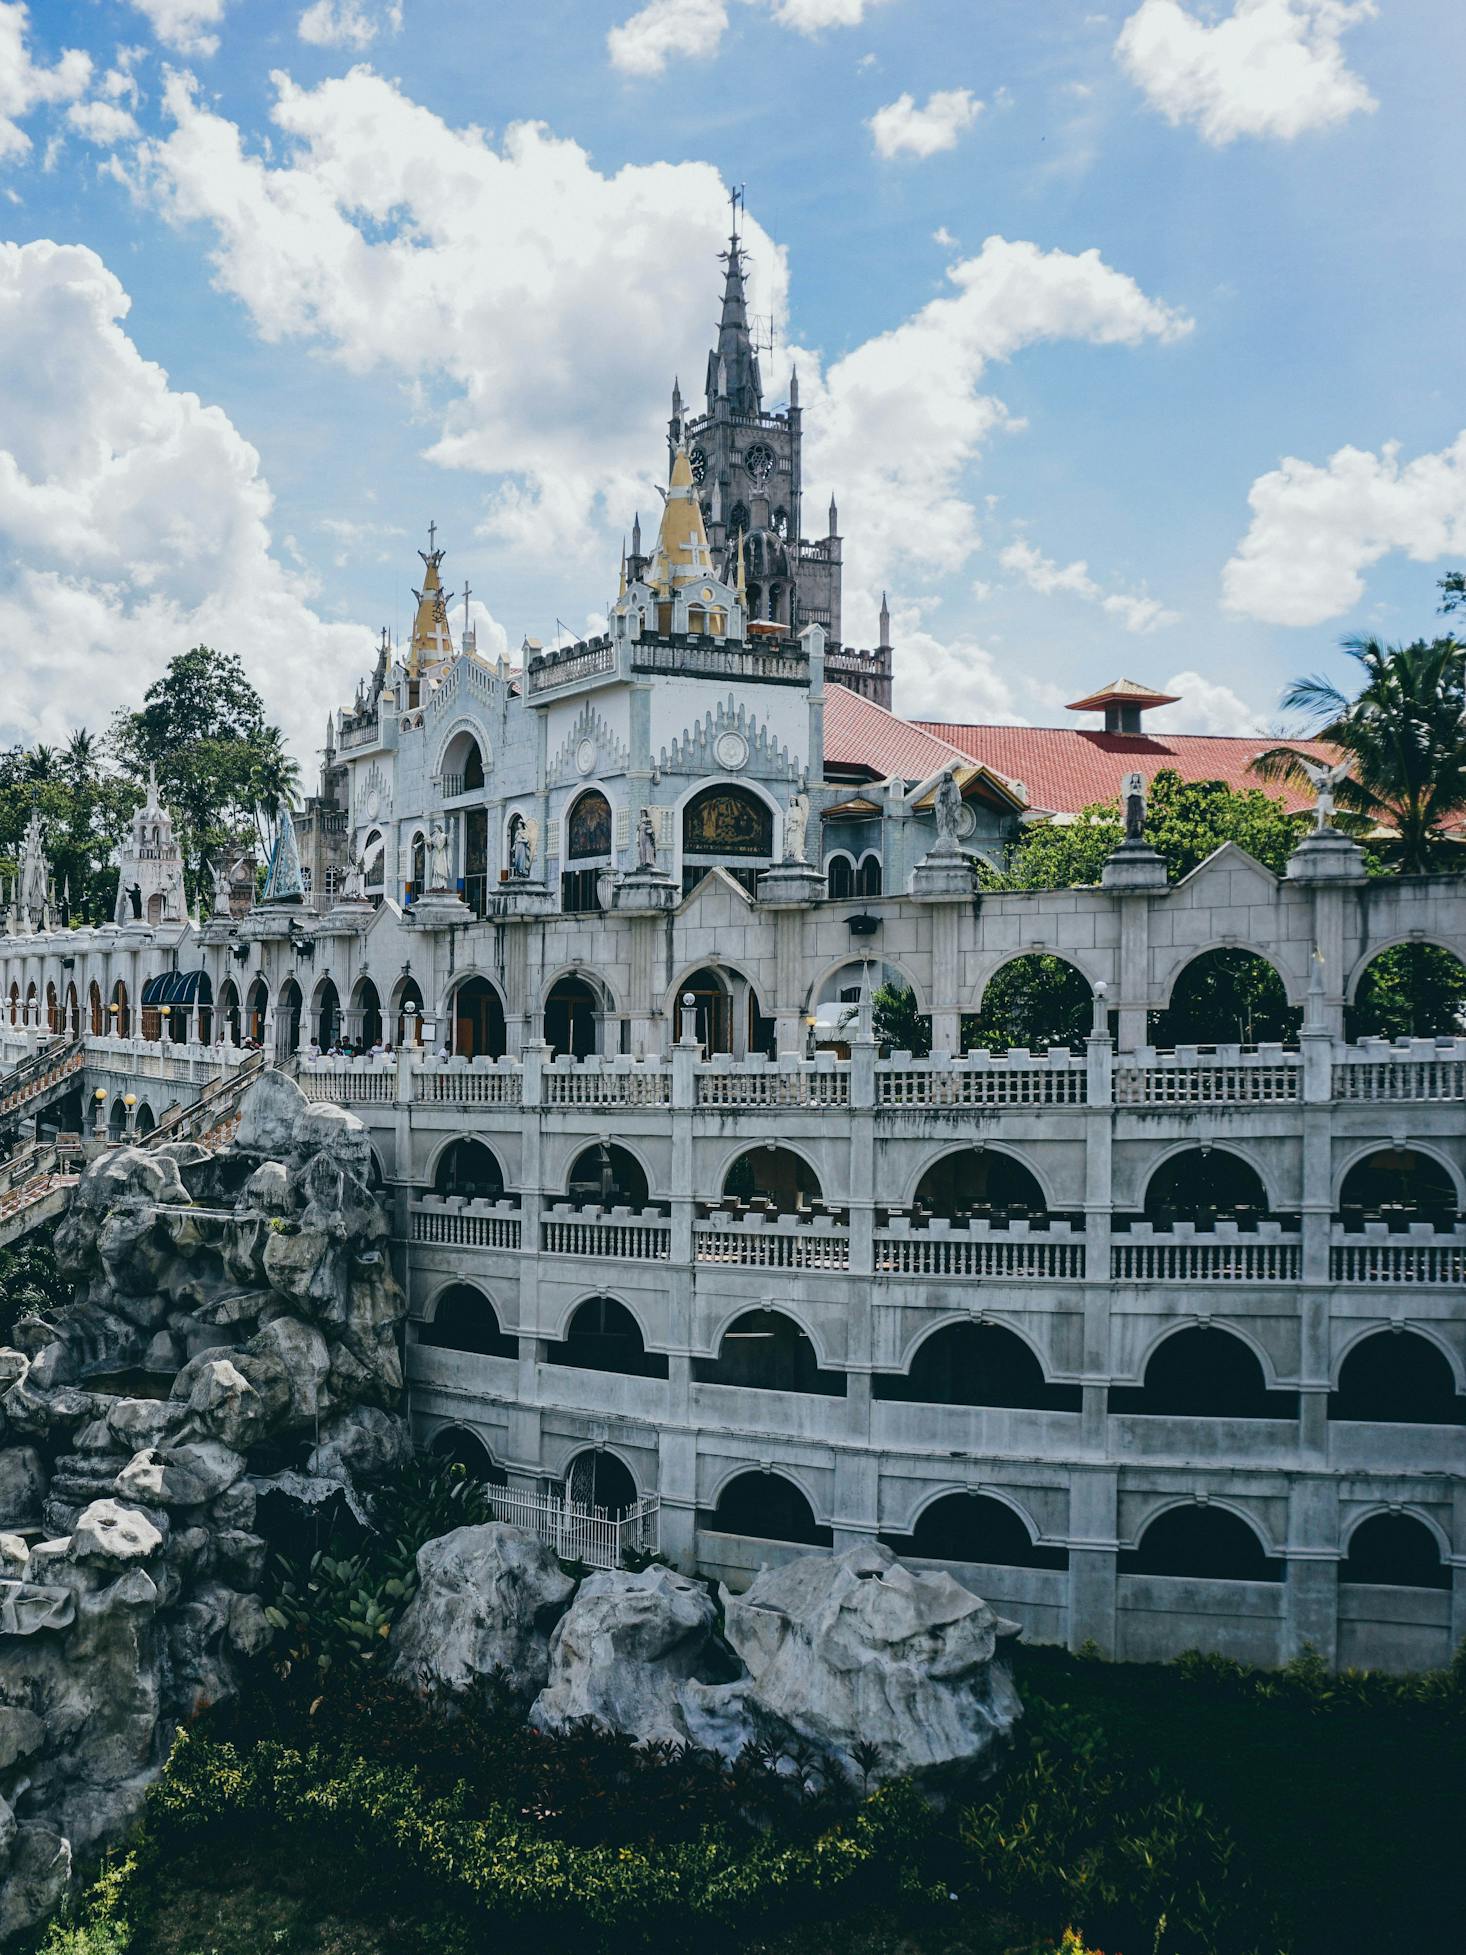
pixel 129 1100
pixel 100 1097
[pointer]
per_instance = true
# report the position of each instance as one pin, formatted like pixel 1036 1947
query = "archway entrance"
pixel 571 1012
pixel 478 1020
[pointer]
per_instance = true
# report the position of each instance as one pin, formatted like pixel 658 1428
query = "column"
pixel 1311 1594
pixel 1093 1551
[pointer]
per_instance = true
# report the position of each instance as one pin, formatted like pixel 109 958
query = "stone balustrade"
pixel 979 1249
pixel 1223 1254
pixel 460 1223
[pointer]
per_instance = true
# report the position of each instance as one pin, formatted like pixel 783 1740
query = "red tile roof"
pixel 858 733
pixel 1068 768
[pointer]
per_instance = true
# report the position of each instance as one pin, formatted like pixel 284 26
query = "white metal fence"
pixel 589 1534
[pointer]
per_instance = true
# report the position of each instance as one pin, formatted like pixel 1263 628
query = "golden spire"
pixel 682 552
pixel 432 637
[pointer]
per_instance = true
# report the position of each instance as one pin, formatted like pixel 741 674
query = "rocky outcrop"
pixel 487 1600
pixel 233 1331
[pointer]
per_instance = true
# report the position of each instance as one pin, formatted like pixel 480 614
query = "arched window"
pixel 119 1012
pixel 1031 1003
pixel 767 1507
pixel 1394 1551
pixel 599 1480
pixel 229 1018
pixel 588 831
pixel 1204 1186
pixel 727 825
pixel 73 1011
pixel 366 1007
pixel 773 1177
pixel 572 1010
pixel 763 1350
pixel 1397 1377
pixel 465 1320
pixel 1202 1372
pixel 287 1017
pixel 1411 991
pixel 419 858
pixel 1226 997
pixel 478 1020
pixel 975 1527
pixel 328 1014
pixel 53 1010
pixel 256 1004
pixel 608 1175
pixel 94 1006
pixel 463 765
pixel 840 878
pixel 1398 1186
pixel 1203 1542
pixel 466 1449
pixel 470 1169
pixel 604 1336
pixel 979 1183
pixel 868 876
pixel 977 1364
pixel 409 1012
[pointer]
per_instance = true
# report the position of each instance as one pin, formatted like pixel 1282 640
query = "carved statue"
pixel 354 884
pixel 521 849
pixel 948 809
pixel 1134 800
pixel 438 852
pixel 135 897
pixel 796 822
pixel 646 840
pixel 1324 780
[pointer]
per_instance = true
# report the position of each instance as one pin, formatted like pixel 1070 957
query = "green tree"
pixel 1404 735
pixel 83 809
pixel 274 784
pixel 1453 590
pixel 1035 1001
pixel 1410 991
pixel 897 1023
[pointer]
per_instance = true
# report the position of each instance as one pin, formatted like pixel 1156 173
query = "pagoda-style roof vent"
pixel 1122 702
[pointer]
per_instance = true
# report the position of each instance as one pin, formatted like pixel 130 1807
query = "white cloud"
pixel 940 677
pixel 692 30
pixel 102 123
pixel 1269 68
pixel 1136 612
pixel 942 236
pixel 1315 529
pixel 24 85
pixel 184 24
pixel 134 521
pixel 1203 706
pixel 346 23
pixel 895 424
pixel 902 129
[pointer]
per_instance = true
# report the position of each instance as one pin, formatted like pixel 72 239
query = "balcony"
pixel 760 1241
pixel 583 660
pixel 694 657
pixel 1422 1257
pixel 757 1084
pixel 613 1234
pixel 1224 1254
pixel 467 1082
pixel 1410 1069
pixel 454 1222
pixel 982 1079
pixel 1227 1076
pixel 606 1083
pixel 978 1249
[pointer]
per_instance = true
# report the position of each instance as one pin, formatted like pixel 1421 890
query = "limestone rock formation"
pixel 487 1600
pixel 233 1328
pixel 631 1655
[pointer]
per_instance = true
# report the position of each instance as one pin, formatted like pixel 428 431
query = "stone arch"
pixel 288 1010
pixel 1226 994
pixel 840 876
pixel 1210 1540
pixel 1016 1169
pixel 774 1353
pixel 97 1010
pixel 980 1363
pixel 609 1169
pixel 1429 986
pixel 1195 1180
pixel 870 874
pixel 1206 1371
pixel 601 1476
pixel 717 988
pixel 476 1010
pixel 577 1003
pixel 229 1011
pixel 461 757
pixel 256 1006
pixel 1030 1000
pixel 465 1164
pixel 53 1009
pixel 72 1009
pixel 1391 1374
pixel 1396 1547
pixel 1421 1179
pixel 143 1119
pixel 777 1172
pixel 118 1010
pixel 462 1317
pixel 366 1011
pixel 952 1520
pixel 325 1012
pixel 601 1333
pixel 407 1025
pixel 767 1506
pixel 463 1446
pixel 882 967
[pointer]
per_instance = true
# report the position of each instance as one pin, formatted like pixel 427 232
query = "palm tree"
pixel 274 782
pixel 80 756
pixel 40 763
pixel 1404 734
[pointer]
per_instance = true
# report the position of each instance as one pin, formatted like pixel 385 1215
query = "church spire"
pixel 432 637
pixel 885 639
pixel 682 552
pixel 733 362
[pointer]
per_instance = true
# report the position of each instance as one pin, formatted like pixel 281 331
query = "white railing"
pixel 1228 1076
pixel 613 1232
pixel 349 1082
pixel 467 1082
pixel 1221 1255
pixel 178 1063
pixel 801 1084
pixel 583 661
pixel 1409 1069
pixel 588 1534
pixel 983 1079
pixel 609 1082
pixel 451 1220
pixel 1423 1257
pixel 942 1248
pixel 772 1242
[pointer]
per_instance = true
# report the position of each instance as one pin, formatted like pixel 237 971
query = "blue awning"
pixel 177 988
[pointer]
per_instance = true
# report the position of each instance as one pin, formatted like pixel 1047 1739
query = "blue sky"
pixel 1129 337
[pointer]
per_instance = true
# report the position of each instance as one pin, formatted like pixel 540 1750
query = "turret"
pixel 794 390
pixel 834 529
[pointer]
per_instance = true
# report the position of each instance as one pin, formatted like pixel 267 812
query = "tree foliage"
pixel 1405 737
pixel 1226 997
pixel 84 811
pixel 1411 991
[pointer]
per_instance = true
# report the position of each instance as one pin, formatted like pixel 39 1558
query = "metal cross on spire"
pixel 432 537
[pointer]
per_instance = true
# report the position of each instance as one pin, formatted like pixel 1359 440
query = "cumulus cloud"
pixel 943 676
pixel 103 123
pixel 1269 68
pixel 1203 706
pixel 903 129
pixel 134 520
pixel 692 30
pixel 1136 611
pixel 184 25
pixel 1316 528
pixel 25 84
pixel 346 23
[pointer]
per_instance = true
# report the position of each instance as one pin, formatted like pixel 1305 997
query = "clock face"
pixel 699 463
pixel 760 461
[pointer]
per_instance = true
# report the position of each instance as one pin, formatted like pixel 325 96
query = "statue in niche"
pixel 438 856
pixel 947 808
pixel 646 840
pixel 354 884
pixel 135 898
pixel 521 849
pixel 1134 804
pixel 796 824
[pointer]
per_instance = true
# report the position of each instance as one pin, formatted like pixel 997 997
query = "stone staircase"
pixel 45 1076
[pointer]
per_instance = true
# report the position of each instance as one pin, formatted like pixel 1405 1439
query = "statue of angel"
pixel 1323 779
pixel 947 808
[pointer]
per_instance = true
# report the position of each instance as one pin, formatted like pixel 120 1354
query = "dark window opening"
pixel 465 1320
pixel 763 1350
pixel 977 1364
pixel 604 1336
pixel 1204 1373
pixel 975 1527
pixel 767 1507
